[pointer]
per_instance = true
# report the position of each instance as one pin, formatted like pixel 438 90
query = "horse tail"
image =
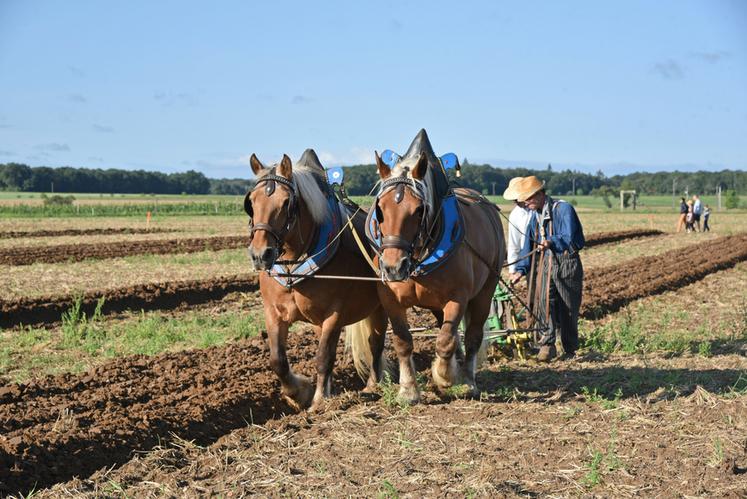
pixel 357 342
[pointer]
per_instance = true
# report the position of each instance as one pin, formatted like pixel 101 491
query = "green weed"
pixel 593 396
pixel 602 463
pixel 717 454
pixel 704 349
pixel 390 394
pixel 387 491
pixel 457 391
pixel 593 476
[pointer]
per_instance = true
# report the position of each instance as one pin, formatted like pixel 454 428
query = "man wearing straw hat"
pixel 518 221
pixel 557 235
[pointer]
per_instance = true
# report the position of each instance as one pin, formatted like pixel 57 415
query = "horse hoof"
pixel 471 391
pixel 371 387
pixel 443 372
pixel 409 394
pixel 300 394
pixel 317 406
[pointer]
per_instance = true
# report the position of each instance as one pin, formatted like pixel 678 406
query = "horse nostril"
pixel 267 256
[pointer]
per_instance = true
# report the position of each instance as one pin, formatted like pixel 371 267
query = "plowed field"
pixel 54 428
pixel 609 288
pixel 57 427
pixel 79 252
pixel 13 234
pixel 605 289
pixel 600 238
pixel 83 251
pixel 167 295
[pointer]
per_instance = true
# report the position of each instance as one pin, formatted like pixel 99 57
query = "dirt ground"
pixel 209 422
pixel 605 289
pixel 25 255
pixel 17 234
pixel 607 426
pixel 168 295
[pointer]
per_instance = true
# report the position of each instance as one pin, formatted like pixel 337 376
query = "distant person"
pixel 518 222
pixel 558 234
pixel 689 216
pixel 697 209
pixel 683 215
pixel 706 216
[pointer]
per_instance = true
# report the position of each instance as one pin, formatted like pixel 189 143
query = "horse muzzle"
pixel 264 258
pixel 399 271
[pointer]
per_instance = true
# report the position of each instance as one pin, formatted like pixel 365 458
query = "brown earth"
pixel 600 238
pixel 49 309
pixel 79 252
pixel 72 425
pixel 57 427
pixel 605 289
pixel 648 446
pixel 13 234
pixel 608 289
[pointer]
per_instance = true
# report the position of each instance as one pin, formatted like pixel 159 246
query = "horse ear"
pixel 384 170
pixel 418 172
pixel 286 167
pixel 256 164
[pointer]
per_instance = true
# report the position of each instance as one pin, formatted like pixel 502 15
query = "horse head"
pixel 272 206
pixel 402 206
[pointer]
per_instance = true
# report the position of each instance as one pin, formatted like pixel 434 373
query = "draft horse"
pixel 294 214
pixel 409 209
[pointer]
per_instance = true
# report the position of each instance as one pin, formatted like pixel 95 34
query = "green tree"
pixel 732 199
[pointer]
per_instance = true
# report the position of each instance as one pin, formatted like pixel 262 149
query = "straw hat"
pixel 510 193
pixel 527 187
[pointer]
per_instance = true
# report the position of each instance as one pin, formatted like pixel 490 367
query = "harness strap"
pixel 358 241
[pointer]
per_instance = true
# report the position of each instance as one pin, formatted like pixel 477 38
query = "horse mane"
pixel 309 180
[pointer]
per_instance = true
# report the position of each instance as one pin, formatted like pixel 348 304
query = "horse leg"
pixel 325 361
pixel 408 385
pixel 296 389
pixel 478 311
pixel 444 368
pixel 376 343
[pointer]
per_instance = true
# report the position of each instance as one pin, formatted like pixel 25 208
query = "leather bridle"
pixel 270 180
pixel 399 184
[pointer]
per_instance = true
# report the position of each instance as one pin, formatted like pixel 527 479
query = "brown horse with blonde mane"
pixel 408 208
pixel 291 209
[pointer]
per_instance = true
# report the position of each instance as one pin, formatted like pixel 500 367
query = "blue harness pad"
pixel 321 252
pixel 449 237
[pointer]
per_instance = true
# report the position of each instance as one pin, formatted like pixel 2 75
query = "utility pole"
pixel 574 186
pixel 52 187
pixel 493 188
pixel 674 183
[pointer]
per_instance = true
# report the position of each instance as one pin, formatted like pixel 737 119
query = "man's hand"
pixel 515 277
pixel 543 245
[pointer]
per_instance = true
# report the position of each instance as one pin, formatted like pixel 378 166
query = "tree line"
pixel 20 177
pixel 360 179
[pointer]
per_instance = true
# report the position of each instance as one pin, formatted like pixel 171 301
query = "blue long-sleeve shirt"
pixel 568 235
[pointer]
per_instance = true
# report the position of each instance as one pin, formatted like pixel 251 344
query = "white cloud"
pixel 352 156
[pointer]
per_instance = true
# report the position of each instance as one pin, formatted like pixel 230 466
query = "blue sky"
pixel 617 86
